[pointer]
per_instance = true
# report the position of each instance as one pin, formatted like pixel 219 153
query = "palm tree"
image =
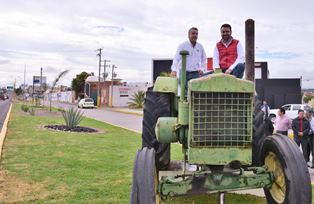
pixel 137 100
pixel 60 75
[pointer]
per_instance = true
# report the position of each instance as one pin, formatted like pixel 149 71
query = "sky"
pixel 58 35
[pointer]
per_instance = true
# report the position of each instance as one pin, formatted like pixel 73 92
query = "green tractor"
pixel 224 145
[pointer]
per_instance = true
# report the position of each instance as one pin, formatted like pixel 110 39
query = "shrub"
pixel 60 109
pixel 72 117
pixel 32 111
pixel 25 108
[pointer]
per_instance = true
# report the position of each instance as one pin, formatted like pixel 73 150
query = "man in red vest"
pixel 228 53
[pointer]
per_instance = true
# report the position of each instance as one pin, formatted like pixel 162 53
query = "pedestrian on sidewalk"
pixel 282 122
pixel 301 128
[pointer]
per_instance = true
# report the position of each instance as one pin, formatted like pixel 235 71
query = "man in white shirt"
pixel 228 53
pixel 196 60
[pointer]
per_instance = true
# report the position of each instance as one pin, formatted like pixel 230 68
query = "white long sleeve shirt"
pixel 196 60
pixel 312 125
pixel 240 58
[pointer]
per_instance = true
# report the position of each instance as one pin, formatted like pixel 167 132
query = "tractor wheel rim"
pixel 278 188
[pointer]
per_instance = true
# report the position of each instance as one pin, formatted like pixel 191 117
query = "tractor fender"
pixel 166 85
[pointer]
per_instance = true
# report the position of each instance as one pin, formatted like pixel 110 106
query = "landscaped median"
pixel 42 165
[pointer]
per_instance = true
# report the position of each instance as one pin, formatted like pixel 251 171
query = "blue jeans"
pixel 238 71
pixel 189 76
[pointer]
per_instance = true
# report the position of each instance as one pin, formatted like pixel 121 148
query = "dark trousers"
pixel 305 145
pixel 311 141
pixel 282 132
pixel 189 76
pixel 238 71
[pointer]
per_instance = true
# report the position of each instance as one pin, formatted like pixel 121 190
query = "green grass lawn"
pixel 43 166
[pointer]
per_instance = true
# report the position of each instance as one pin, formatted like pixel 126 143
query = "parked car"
pixel 86 103
pixel 291 110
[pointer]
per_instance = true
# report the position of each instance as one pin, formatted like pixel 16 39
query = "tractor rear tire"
pixel 146 178
pixel 292 179
pixel 258 133
pixel 156 105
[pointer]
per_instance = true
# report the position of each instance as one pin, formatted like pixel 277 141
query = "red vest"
pixel 227 55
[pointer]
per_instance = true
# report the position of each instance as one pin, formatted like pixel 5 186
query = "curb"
pixel 4 130
pixel 118 126
pixel 125 111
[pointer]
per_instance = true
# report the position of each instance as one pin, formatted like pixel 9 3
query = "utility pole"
pixel 33 88
pixel 112 74
pixel 105 66
pixel 41 80
pixel 98 87
pixel 24 82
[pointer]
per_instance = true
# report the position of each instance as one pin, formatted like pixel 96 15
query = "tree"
pixel 306 99
pixel 78 83
pixel 137 100
pixel 18 91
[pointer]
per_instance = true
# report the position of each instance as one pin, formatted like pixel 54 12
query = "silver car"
pixel 86 103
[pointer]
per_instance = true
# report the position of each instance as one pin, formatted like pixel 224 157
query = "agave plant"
pixel 137 100
pixel 72 117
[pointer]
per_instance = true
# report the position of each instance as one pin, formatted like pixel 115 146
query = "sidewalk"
pixel 138 112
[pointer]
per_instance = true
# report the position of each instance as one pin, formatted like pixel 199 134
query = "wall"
pixel 67 97
pixel 278 92
pixel 123 94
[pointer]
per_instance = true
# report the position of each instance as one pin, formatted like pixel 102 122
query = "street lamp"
pixel 112 75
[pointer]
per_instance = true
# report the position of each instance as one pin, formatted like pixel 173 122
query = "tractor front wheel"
pixel 292 182
pixel 145 178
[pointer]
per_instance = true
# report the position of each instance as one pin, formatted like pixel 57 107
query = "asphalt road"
pixel 128 121
pixel 4 107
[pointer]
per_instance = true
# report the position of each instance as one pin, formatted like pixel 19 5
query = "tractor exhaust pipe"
pixel 183 53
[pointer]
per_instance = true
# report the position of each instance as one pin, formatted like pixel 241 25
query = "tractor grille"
pixel 221 119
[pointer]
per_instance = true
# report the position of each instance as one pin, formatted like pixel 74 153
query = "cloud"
pixel 4 61
pixel 65 34
pixel 111 29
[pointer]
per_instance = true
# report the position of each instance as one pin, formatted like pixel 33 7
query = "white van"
pixel 291 110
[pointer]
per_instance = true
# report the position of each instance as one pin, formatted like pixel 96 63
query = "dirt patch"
pixel 40 112
pixel 14 190
pixel 43 112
